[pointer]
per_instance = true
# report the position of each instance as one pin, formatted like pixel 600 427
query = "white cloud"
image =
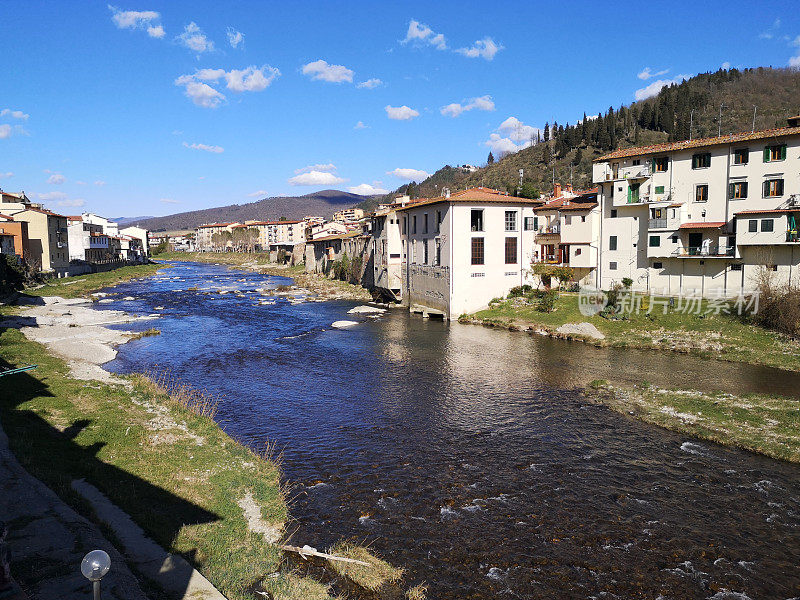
pixel 401 113
pixel 360 125
pixel 455 109
pixel 16 114
pixel 485 48
pixel 169 201
pixel 146 20
pixel 100 183
pixel 420 34
pixel 325 168
pixel 647 73
pixel 257 194
pixel 365 189
pixel 320 70
pixel 793 62
pixel 409 174
pixel 72 203
pixel 56 179
pixel 512 135
pixel 316 178
pixel 235 37
pixel 194 39
pixel 5 131
pixel 656 86
pixel 80 183
pixel 771 32
pixel 205 148
pixel 251 79
pixel 200 93
pixel 6 175
pixel 370 84
pixel 726 65
pixel 53 196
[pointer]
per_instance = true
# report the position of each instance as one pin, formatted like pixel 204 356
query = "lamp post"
pixel 94 566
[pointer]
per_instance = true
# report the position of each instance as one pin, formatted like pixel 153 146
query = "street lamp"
pixel 94 566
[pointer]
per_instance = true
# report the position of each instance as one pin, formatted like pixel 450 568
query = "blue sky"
pixel 149 107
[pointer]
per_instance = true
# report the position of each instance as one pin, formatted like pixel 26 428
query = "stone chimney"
pixel 556 190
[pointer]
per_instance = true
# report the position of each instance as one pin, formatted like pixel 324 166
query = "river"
pixel 468 455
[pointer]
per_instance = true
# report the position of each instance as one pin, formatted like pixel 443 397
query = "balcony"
pixel 710 251
pixel 657 223
pixel 792 236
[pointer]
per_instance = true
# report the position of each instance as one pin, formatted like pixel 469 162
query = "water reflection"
pixel 468 455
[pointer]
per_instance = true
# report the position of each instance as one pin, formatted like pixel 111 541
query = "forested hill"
pixel 566 151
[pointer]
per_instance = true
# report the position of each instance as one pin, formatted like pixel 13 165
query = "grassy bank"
pixel 709 335
pixel 768 425
pixel 259 261
pixel 81 285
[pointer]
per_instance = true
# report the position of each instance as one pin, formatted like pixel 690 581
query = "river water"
pixel 468 455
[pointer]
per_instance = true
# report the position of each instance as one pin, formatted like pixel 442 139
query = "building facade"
pixel 702 216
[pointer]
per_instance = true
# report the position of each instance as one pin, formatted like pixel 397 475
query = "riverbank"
pixel 707 334
pixel 760 423
pixel 151 447
pixel 319 285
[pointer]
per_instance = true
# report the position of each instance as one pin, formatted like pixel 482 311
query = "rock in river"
pixel 343 324
pixel 365 310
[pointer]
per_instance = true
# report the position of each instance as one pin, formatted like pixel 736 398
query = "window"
pixel 636 162
pixel 583 218
pixel 529 226
pixel 701 161
pixel 655 241
pixel 772 267
pixel 414 224
pixel 737 190
pixel 767 225
pixel 701 193
pixel 773 153
pixel 477 250
pixel 476 222
pixel 438 220
pixel 752 226
pixel 511 220
pixel 674 239
pixel 511 250
pixel 612 242
pixel 535 223
pixel 660 164
pixel 659 189
pixel 736 267
pixel 438 252
pixel 425 249
pixel 567 220
pixel 658 265
pixel 425 224
pixel 613 213
pixel 612 266
pixel 773 187
pixel 741 156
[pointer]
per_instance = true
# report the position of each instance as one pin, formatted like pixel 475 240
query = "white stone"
pixel 365 310
pixel 343 324
pixel 584 328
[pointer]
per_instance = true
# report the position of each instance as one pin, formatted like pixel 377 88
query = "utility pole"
pixel 519 187
pixel 719 123
pixel 570 174
pixel 691 122
pixel 755 108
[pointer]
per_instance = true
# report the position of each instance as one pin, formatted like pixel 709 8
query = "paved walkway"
pixel 48 539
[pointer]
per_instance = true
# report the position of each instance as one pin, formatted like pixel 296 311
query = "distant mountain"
pixel 126 221
pixel 322 204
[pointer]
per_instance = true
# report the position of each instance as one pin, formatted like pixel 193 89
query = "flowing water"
pixel 468 455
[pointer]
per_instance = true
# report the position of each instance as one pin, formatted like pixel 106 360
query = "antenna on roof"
pixel 519 187
pixel 755 108
pixel 719 123
pixel 691 122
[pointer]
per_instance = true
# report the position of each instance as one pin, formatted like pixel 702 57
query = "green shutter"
pixel 783 152
pixel 766 189
pixel 766 153
pixel 536 223
pixel 779 186
pixel 653 166
pixel 694 161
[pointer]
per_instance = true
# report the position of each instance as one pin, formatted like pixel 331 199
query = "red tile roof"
pixel 215 225
pixel 699 143
pixel 478 194
pixel 766 212
pixel 6 217
pixel 703 225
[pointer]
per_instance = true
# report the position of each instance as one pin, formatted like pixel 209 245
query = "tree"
pixel 490 158
pixel 546 132
pixel 546 155
pixel 578 157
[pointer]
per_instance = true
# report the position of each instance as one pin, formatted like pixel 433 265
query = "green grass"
pixel 81 285
pixel 769 425
pixel 720 336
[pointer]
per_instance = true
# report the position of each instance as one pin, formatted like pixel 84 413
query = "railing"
pixel 657 224
pixel 711 250
pixel 550 229
pixel 792 236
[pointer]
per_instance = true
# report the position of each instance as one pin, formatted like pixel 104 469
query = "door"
pixel 695 241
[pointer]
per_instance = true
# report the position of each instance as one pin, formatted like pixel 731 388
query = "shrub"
pixel 563 274
pixel 161 248
pixel 495 301
pixel 627 282
pixel 775 307
pixel 613 295
pixel 547 301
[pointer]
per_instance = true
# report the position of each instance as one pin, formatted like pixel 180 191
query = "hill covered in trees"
pixel 565 151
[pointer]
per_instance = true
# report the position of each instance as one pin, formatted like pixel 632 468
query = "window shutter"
pixel 744 190
pixel 536 223
pixel 766 153
pixel 779 184
pixel 766 189
pixel 783 152
pixel 694 161
pixel 730 190
pixel 653 165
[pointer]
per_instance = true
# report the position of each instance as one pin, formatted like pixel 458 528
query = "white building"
pixel 139 233
pixel 322 230
pixel 87 242
pixel 387 251
pixel 461 250
pixel 701 216
pixel 348 215
pixel 109 226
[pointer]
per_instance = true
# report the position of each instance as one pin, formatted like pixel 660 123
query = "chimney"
pixel 556 190
pixel 568 188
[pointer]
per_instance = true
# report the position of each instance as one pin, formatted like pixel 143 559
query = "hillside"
pixel 565 152
pixel 323 204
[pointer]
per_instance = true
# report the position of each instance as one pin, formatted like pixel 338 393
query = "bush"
pixel 161 248
pixel 547 301
pixel 776 308
pixel 627 282
pixel 12 273
pixel 519 290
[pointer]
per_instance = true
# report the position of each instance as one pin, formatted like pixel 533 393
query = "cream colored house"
pixel 204 233
pixel 461 250
pixel 47 237
pixel 702 216
pixel 348 215
pixel 387 251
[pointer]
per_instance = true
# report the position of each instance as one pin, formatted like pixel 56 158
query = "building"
pixel 48 245
pixel 204 234
pixel 461 250
pixel 13 236
pixel 9 198
pixel 139 233
pixel 87 242
pixel 348 215
pixel 568 233
pixel 109 227
pixel 701 216
pixel 387 250
pixel 329 229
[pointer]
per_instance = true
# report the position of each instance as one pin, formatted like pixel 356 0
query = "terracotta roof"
pixel 44 212
pixel 699 143
pixel 478 194
pixel 343 236
pixel 578 206
pixel 6 217
pixel 675 205
pixel 75 218
pixel 215 225
pixel 703 225
pixel 766 212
